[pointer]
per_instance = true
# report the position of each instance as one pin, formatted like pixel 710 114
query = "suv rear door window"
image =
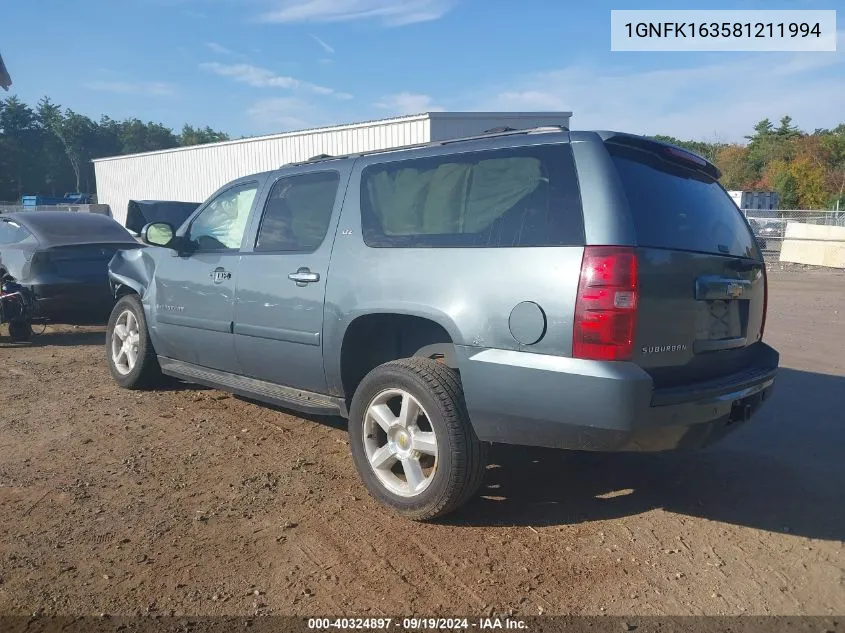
pixel 525 196
pixel 678 208
pixel 298 211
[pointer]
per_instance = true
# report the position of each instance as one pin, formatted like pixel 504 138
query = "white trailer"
pixel 191 174
pixel 756 200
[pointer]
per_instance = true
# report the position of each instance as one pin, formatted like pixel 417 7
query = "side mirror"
pixel 158 234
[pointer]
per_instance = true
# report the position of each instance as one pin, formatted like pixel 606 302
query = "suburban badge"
pixel 661 349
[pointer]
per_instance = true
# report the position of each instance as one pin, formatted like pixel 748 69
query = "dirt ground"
pixel 189 501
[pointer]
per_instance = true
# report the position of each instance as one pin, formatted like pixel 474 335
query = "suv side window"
pixel 297 213
pixel 11 232
pixel 522 196
pixel 221 224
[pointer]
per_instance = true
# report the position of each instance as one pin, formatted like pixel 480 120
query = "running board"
pixel 296 399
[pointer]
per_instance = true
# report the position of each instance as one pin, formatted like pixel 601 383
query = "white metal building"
pixel 191 174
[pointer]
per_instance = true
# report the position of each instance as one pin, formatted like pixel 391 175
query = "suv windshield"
pixel 677 208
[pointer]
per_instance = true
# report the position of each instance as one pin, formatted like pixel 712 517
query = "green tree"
pixel 762 130
pixel 78 135
pixel 19 133
pixel 834 144
pixel 767 144
pixel 49 150
pixel 108 137
pixel 737 173
pixel 779 177
pixel 57 173
pixel 199 136
pixel 135 137
pixel 809 183
pixel 786 130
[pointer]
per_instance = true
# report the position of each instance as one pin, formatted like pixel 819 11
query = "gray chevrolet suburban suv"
pixel 580 290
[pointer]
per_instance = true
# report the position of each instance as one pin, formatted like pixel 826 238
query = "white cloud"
pixel 720 99
pixel 263 78
pixel 388 12
pixel 328 49
pixel 218 48
pixel 251 75
pixel 151 88
pixel 408 103
pixel 283 114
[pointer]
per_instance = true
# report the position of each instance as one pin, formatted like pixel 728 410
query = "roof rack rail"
pixel 542 129
pixel 492 133
pixel 505 132
pixel 318 158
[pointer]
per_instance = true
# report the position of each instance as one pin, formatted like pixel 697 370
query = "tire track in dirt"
pixel 190 501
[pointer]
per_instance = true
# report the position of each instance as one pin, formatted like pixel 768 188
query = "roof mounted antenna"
pixel 319 157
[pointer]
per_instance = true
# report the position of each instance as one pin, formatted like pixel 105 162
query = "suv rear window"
pixel 678 208
pixel 522 196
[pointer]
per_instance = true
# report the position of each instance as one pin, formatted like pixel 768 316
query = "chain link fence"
pixel 769 226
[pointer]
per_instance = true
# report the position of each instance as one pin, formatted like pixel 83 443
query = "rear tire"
pixel 132 360
pixel 20 330
pixel 409 416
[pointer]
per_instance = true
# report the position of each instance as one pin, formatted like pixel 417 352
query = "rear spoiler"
pixel 665 151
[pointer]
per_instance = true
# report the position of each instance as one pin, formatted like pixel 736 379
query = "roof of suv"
pixel 632 140
pixel 489 134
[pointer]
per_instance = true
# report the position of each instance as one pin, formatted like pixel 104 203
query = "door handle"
pixel 304 276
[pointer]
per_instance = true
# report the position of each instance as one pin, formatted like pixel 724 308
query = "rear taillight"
pixel 606 307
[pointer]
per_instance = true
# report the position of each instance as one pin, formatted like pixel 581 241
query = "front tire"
pixel 412 441
pixel 131 357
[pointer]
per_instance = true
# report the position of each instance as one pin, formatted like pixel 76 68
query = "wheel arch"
pixel 372 338
pixel 122 288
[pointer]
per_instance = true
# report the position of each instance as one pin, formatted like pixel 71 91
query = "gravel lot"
pixel 189 501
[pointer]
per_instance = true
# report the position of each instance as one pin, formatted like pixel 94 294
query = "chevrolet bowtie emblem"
pixel 734 290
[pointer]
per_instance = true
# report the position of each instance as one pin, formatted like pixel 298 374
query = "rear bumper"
pixel 538 400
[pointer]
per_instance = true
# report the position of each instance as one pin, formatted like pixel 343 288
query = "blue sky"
pixel 260 66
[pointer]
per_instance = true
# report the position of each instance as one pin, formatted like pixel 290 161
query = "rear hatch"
pixel 702 282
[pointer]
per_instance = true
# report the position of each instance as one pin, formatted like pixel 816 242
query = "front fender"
pixel 132 268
